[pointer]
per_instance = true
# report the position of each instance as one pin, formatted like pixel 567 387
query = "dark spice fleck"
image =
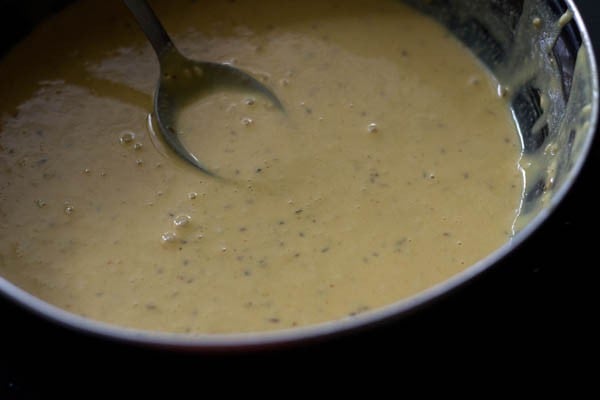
pixel 274 320
pixel 359 310
pixel 373 176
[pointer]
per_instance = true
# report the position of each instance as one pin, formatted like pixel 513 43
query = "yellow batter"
pixel 395 166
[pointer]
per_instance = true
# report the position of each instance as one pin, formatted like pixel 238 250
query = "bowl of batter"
pixel 422 142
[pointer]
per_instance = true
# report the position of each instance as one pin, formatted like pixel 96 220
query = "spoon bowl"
pixel 183 80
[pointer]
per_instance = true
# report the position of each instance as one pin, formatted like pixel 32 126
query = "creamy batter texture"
pixel 394 167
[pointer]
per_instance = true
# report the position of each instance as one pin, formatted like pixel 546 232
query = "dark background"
pixel 530 321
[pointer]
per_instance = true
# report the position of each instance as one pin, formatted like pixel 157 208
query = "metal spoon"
pixel 183 80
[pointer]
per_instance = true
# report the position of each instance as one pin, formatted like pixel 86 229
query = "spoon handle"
pixel 151 26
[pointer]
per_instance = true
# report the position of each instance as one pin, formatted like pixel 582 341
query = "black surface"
pixel 530 320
